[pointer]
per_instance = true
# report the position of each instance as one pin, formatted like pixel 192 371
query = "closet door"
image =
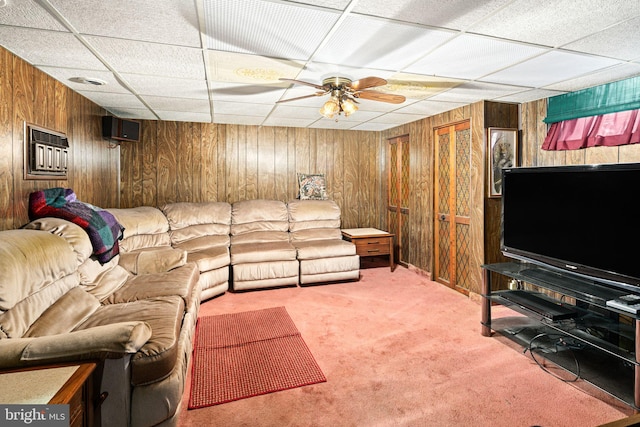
pixel 398 196
pixel 452 205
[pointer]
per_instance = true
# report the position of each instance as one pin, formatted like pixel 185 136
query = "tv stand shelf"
pixel 599 347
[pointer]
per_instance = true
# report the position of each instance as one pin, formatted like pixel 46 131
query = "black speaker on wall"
pixel 120 129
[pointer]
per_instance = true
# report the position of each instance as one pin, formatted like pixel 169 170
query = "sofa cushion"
pixel 101 280
pixel 144 227
pixel 269 273
pixel 141 220
pixel 66 314
pixel 204 242
pixel 153 260
pixel 259 215
pixel 324 249
pixel 312 234
pixel 145 241
pixel 189 220
pixel 210 258
pixel 35 260
pixel 72 233
pixel 14 323
pixel 260 252
pixel 157 357
pixel 201 231
pixel 260 237
pixel 301 211
pixel 179 281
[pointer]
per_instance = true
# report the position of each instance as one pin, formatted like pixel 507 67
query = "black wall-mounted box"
pixel 120 129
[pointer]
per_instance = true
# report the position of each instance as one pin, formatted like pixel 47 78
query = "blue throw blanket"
pixel 102 227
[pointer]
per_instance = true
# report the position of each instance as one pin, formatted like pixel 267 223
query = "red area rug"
pixel 248 354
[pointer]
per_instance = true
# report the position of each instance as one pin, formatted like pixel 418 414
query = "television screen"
pixel 580 219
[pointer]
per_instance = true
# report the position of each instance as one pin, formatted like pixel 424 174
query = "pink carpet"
pixel 248 354
pixel 399 350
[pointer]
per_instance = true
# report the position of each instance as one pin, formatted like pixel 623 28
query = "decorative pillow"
pixel 312 187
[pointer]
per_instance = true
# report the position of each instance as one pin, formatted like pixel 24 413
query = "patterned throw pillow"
pixel 312 187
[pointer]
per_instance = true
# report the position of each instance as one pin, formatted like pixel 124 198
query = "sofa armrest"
pixel 100 342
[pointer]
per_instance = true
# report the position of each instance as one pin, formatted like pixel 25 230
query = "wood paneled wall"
pixel 196 162
pixel 29 96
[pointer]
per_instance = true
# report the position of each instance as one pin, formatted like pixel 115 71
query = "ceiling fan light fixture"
pixel 330 108
pixel 348 106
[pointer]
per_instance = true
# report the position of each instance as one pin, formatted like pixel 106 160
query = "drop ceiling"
pixel 220 61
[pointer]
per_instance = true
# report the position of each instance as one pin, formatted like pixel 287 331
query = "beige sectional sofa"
pixel 138 311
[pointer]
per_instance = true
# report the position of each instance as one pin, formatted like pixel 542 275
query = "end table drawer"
pixel 373 246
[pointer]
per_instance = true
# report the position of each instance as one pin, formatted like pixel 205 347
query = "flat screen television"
pixel 583 220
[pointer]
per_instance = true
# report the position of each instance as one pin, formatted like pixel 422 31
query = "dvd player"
pixel 538 304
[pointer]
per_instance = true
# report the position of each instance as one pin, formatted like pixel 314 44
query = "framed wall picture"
pixel 501 153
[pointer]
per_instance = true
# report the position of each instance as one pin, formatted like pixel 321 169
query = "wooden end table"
pixel 371 242
pixel 53 384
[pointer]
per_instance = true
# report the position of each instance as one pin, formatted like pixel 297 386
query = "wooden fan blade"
pixel 379 96
pixel 303 83
pixel 302 97
pixel 367 82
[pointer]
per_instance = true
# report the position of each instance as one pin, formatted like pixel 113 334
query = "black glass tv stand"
pixel 567 320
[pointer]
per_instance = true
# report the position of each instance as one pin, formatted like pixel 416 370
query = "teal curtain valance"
pixel 604 99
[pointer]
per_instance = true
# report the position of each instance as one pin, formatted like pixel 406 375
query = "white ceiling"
pixel 220 60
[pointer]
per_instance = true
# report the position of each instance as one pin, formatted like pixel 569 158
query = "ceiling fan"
pixel 345 94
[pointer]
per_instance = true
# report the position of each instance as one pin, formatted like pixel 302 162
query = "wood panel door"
pixel 398 196
pixel 452 205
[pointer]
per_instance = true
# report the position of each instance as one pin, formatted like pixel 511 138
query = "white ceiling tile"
pixel 619 41
pixel 416 86
pixel 397 118
pixel 375 127
pixel 529 95
pixel 553 22
pixel 288 122
pixel 187 105
pixel 129 56
pixel 280 30
pixel 251 69
pixel 64 74
pixel 237 120
pixel 297 112
pixel 175 21
pixel 261 94
pixel 330 4
pixel 167 86
pixel 475 91
pixel 114 99
pixel 181 116
pixel 339 123
pixel 551 67
pixel 471 57
pixel 28 13
pixel 617 72
pixel 362 41
pixel 454 14
pixel 242 108
pixel 132 113
pixel 50 48
pixel 429 108
pixel 316 72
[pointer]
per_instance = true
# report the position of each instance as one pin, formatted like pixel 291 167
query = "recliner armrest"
pixel 100 342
